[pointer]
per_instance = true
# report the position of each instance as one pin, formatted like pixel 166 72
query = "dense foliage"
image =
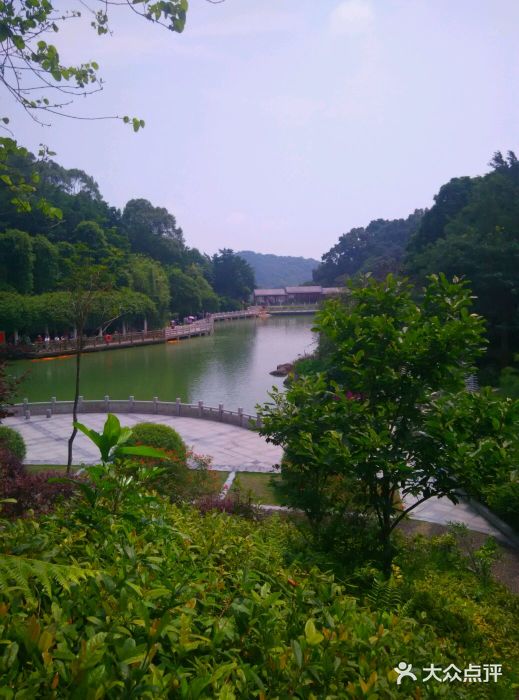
pixel 388 424
pixel 156 601
pixel 379 248
pixel 152 273
pixel 13 441
pixel 274 271
pixel 473 231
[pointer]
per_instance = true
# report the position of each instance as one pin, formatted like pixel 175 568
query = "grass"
pixel 259 485
pixel 36 468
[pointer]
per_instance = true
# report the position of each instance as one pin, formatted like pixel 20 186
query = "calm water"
pixel 231 367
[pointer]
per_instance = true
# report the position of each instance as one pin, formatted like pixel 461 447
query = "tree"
pixel 379 249
pixel 233 277
pixel 472 231
pixel 148 277
pixel 32 71
pixel 85 288
pixel 45 269
pixel 16 261
pixel 153 231
pixel 389 419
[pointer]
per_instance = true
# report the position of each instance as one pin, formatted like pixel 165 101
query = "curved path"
pixel 231 448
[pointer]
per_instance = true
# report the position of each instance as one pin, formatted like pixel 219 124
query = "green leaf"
pixel 142 451
pixel 298 654
pixel 313 637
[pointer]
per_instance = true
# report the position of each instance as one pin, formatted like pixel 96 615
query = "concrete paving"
pixel 231 449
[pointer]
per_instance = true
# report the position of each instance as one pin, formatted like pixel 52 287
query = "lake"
pixel 231 366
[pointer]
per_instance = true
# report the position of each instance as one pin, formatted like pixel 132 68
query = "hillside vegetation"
pixel 274 271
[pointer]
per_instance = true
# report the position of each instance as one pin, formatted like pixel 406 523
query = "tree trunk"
pixel 387 552
pixel 79 348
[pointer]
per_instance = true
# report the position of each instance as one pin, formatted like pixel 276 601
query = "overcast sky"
pixel 277 125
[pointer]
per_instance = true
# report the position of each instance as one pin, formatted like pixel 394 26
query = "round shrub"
pixel 174 480
pixel 12 440
pixel 160 436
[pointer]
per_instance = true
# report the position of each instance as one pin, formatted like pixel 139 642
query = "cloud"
pixel 352 17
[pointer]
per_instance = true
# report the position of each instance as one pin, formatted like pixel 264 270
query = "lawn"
pixel 36 468
pixel 259 485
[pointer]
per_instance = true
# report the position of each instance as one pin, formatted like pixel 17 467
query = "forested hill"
pixel 55 224
pixel 379 248
pixel 279 270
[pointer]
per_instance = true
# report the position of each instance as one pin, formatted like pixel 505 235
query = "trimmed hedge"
pixel 12 440
pixel 160 436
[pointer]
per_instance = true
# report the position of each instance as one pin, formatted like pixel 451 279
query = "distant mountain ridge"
pixel 273 271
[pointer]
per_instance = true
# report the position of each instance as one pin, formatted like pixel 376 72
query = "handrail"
pixel 131 405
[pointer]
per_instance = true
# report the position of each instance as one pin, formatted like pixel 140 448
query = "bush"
pixel 32 492
pixel 160 436
pixel 12 440
pixel 184 475
pixel 179 606
pixel 231 503
pixel 503 499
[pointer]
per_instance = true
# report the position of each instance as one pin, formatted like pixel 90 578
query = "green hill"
pixel 279 270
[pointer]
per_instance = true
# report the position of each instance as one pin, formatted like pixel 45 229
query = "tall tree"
pixel 153 231
pixel 473 231
pixel 233 276
pixel 16 261
pixel 379 249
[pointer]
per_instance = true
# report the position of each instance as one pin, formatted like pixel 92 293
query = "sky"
pixel 278 125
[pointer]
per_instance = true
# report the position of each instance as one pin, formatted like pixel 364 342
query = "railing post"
pixel 220 411
pixel 155 404
pixel 200 409
pixel 53 401
pixel 48 413
pixel 177 402
pixel 240 416
pixel 27 414
pixel 79 403
pixel 131 400
pixel 107 403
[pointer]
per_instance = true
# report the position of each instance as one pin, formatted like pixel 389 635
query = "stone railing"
pixel 203 327
pixel 251 312
pixel 132 405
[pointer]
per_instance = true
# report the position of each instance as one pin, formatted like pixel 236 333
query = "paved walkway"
pixel 231 448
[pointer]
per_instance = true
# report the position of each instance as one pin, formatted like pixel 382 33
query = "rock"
pixel 283 370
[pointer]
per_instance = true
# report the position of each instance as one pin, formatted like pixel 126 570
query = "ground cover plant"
pixel 120 594
pixel 156 601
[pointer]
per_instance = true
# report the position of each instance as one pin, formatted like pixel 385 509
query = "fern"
pixel 21 574
pixel 384 595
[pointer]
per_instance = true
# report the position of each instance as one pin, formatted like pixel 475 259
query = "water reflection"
pixel 231 367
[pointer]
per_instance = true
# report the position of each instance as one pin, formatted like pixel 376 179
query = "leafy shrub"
pixel 442 586
pixel 175 605
pixel 233 503
pixel 503 499
pixel 32 492
pixel 161 436
pixel 12 440
pixel 185 475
